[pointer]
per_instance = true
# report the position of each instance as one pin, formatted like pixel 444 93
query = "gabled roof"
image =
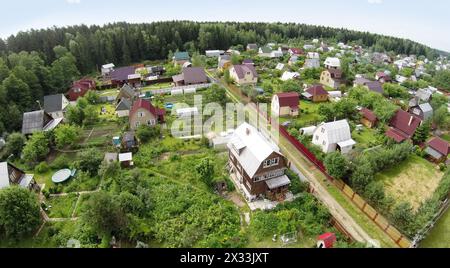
pixel 440 145
pixel 424 94
pixel 266 49
pixel 248 61
pixel 194 75
pixel 121 74
pixel 375 86
pixel 54 103
pixel 146 105
pixel 241 70
pixel 288 99
pixel 405 124
pixel 297 51
pixel 426 108
pixel 317 90
pixel 37 121
pixel 333 62
pixel 253 146
pixel 337 131
pixel 181 56
pixel 124 105
pixel 369 115
pixel 335 73
pixel 108 66
pixel 289 75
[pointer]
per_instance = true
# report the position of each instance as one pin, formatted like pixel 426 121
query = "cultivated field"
pixel 414 181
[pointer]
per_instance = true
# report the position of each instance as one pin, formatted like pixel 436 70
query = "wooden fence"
pixel 357 200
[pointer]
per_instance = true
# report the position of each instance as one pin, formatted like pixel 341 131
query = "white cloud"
pixel 73 2
pixel 375 2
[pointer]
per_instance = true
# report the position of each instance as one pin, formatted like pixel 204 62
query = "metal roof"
pixel 4 175
pixel 254 147
pixel 278 182
pixel 54 103
pixel 338 131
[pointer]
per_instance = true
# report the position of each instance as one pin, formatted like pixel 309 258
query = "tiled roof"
pixel 439 145
pixel 290 99
pixel 317 90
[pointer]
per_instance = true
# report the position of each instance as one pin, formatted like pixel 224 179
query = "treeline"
pixel 25 78
pixel 124 43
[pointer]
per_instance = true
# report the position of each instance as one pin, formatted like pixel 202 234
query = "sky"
pixel 424 21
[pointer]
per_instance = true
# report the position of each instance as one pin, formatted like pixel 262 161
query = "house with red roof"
pixel 144 113
pixel 382 77
pixel 316 93
pixel 296 51
pixel 286 104
pixel 437 150
pixel 326 240
pixel 80 88
pixel 403 126
pixel 368 118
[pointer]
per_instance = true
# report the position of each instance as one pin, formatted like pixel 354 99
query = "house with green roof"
pixel 180 58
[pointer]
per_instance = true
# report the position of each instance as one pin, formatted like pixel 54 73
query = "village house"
pixel 38 121
pixel 126 160
pixel 293 60
pixel 382 77
pixel 107 69
pixel 296 51
pixel 312 63
pixel 423 111
pixel 368 118
pixel 244 74
pixel 214 53
pixel 56 105
pixel 80 88
pixel 286 104
pixel 316 93
pixel 123 108
pixel 332 63
pixel 257 166
pixel 334 136
pixel 224 63
pixel 128 142
pixel 373 86
pixel 289 76
pixel 313 55
pixel 191 76
pixel 265 51
pixel 437 150
pixel 127 92
pixel 180 58
pixel 331 78
pixel 252 47
pixel 125 75
pixel 403 126
pixel 11 175
pixel 144 113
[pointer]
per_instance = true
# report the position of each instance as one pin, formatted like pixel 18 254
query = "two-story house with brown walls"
pixel 144 113
pixel 257 165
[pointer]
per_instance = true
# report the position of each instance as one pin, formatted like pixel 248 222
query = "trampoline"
pixel 61 175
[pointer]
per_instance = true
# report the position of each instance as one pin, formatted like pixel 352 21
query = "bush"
pixel 297 185
pixel 41 168
pixel 145 133
pixel 60 162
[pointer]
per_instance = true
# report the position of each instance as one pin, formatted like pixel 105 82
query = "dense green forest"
pixel 123 43
pixel 40 62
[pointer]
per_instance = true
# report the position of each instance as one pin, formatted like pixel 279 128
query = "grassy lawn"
pixel 308 115
pixel 414 180
pixel 157 86
pixel 44 239
pixel 302 242
pixel 439 237
pixel 82 204
pixel 446 137
pixel 61 207
pixel 365 138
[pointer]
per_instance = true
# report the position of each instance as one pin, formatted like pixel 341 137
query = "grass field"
pixel 364 139
pixel 414 180
pixel 62 207
pixel 439 237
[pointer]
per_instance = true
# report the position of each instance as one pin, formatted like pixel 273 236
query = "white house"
pixel 276 54
pixel 214 53
pixel 107 69
pixel 280 66
pixel 289 75
pixel 334 136
pixel 313 55
pixel 332 63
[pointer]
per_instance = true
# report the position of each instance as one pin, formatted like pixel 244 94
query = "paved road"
pixel 336 210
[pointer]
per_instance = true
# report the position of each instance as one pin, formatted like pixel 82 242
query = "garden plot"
pixel 414 181
pixel 61 206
